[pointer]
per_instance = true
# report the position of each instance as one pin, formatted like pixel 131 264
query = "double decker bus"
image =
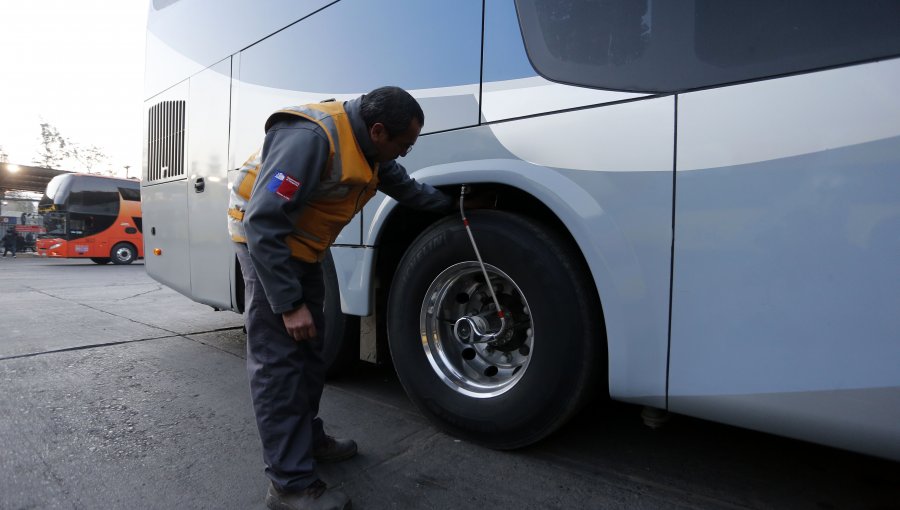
pixel 696 203
pixel 91 216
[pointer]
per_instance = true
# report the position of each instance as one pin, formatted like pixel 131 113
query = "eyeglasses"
pixel 407 150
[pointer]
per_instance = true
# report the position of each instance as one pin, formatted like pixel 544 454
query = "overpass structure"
pixel 26 178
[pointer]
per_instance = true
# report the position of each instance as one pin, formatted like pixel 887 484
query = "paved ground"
pixel 116 392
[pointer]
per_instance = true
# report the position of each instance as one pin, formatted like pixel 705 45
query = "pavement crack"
pixel 106 312
pixel 107 344
pixel 217 330
pixel 53 477
pixel 214 346
pixel 83 347
pixel 157 289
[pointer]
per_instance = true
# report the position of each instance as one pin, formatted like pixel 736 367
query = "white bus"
pixel 697 203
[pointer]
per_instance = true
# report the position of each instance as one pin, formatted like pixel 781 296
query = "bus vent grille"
pixel 165 154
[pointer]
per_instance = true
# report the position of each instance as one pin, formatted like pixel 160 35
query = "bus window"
pixel 642 45
pixel 130 194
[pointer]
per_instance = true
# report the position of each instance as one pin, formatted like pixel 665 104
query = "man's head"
pixel 393 119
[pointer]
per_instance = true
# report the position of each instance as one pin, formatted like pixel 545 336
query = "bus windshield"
pixel 55 225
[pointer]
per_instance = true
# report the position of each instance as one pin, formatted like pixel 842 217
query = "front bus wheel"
pixel 500 388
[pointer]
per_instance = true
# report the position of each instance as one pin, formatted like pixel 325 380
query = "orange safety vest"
pixel 346 184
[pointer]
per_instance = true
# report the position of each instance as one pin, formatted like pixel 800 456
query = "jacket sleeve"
pixel 294 156
pixel 396 183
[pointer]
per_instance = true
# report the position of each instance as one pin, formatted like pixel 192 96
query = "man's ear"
pixel 377 132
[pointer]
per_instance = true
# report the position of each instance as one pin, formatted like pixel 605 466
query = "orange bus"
pixel 89 216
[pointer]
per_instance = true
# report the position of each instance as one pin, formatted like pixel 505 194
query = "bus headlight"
pixel 55 246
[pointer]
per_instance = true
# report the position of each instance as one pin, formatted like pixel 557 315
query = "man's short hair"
pixel 393 107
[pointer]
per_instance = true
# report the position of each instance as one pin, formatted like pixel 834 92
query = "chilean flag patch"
pixel 283 185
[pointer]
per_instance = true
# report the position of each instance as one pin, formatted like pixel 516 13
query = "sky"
pixel 78 65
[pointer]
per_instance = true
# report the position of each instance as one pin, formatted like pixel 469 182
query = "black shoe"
pixel 332 449
pixel 315 497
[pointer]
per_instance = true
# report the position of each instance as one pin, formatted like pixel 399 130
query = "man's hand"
pixel 299 323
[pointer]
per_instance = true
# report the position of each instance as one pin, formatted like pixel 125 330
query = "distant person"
pixel 9 242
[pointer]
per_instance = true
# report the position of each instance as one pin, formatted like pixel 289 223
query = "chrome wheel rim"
pixel 483 368
pixel 123 254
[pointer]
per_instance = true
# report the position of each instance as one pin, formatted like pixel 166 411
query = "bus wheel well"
pixel 404 225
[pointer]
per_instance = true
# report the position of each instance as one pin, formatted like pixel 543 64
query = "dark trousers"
pixel 286 377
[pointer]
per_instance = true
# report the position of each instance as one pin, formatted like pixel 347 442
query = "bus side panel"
pixel 211 253
pixel 785 305
pixel 164 198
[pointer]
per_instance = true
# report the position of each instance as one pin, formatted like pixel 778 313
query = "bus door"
pixel 207 193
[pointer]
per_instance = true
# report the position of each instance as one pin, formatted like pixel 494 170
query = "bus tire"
pixel 100 260
pixel 529 380
pixel 123 253
pixel 341 346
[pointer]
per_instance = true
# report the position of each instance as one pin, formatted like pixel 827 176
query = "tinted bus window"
pixel 651 46
pixel 130 194
pixel 82 224
pixel 94 196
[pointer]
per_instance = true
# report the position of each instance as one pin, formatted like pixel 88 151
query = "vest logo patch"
pixel 283 185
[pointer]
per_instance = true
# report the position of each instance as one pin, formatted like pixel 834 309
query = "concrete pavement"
pixel 117 392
